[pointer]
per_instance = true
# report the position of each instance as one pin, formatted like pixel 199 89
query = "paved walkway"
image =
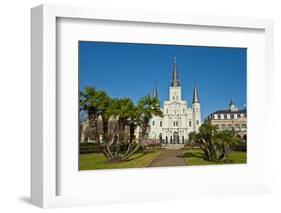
pixel 169 157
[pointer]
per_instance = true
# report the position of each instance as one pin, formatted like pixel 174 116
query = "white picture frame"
pixel 44 149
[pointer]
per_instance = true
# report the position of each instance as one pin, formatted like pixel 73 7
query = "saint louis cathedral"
pixel 179 119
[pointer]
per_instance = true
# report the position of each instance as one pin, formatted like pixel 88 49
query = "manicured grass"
pixel 99 161
pixel 196 157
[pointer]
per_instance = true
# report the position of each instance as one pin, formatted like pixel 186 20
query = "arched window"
pixel 229 126
pixel 237 127
pixel 153 123
pixel 223 127
pixel 160 137
pixel 160 123
pixel 243 127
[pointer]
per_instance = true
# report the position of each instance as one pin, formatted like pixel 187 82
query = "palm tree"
pixel 226 141
pixel 140 115
pixel 148 106
pixel 121 109
pixel 216 145
pixel 206 138
pixel 98 106
pixel 94 103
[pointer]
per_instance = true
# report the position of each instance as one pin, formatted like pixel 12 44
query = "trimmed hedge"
pixel 242 147
pixel 89 148
pixel 153 146
pixel 86 148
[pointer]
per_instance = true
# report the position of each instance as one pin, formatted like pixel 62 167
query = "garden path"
pixel 169 157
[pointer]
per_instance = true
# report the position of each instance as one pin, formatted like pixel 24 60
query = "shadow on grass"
pixel 194 155
pixel 201 155
pixel 142 153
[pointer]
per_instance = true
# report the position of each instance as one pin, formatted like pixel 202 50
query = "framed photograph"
pixel 148 105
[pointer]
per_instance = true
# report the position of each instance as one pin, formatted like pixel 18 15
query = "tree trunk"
pixel 93 122
pixel 132 131
pixel 131 153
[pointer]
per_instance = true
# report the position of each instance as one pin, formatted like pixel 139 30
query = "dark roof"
pixel 230 112
pixel 175 78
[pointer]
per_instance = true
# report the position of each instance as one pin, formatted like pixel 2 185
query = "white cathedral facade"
pixel 179 118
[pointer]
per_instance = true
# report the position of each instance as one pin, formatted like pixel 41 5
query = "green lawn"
pixel 196 157
pixel 99 161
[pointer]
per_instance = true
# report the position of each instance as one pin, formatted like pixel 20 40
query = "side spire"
pixel 175 77
pixel 155 92
pixel 195 94
pixel 231 102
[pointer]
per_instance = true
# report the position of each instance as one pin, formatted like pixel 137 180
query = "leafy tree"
pixel 192 137
pixel 216 145
pixel 226 141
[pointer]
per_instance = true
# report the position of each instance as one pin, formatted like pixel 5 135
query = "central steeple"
pixel 175 88
pixel 175 77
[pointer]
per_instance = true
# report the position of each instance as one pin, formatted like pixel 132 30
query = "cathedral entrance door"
pixel 175 137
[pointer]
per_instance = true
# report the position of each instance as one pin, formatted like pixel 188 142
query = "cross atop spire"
pixel 195 94
pixel 175 77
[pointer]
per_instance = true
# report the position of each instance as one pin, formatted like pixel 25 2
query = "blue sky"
pixel 130 70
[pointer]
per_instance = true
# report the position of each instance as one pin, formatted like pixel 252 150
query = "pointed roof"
pixel 195 94
pixel 231 102
pixel 175 77
pixel 155 92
